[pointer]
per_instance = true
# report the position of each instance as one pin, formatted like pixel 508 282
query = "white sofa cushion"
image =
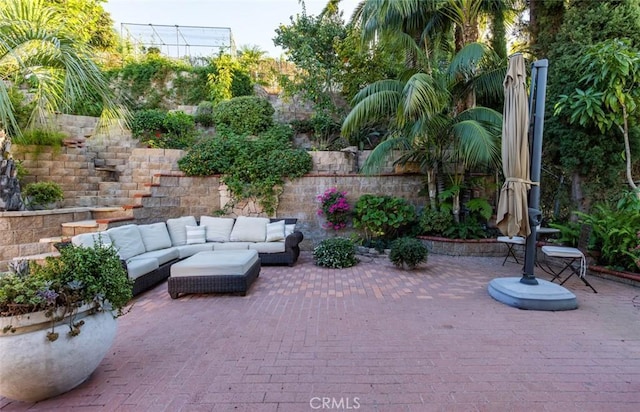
pixel 139 267
pixel 155 236
pixel 231 246
pixel 91 239
pixel 190 250
pixel 161 255
pixel 196 234
pixel 218 228
pixel 127 241
pixel 289 229
pixel 275 231
pixel 177 229
pixel 249 229
pixel 268 247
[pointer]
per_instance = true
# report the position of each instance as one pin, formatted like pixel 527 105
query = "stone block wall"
pixel 20 232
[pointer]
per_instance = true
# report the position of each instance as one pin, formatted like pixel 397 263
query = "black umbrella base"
pixel 543 296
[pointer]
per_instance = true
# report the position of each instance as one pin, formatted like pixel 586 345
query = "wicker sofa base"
pixel 149 280
pixel 214 284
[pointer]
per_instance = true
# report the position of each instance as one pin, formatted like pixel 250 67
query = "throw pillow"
pixel 218 228
pixel 196 234
pixel 289 229
pixel 275 231
pixel 249 229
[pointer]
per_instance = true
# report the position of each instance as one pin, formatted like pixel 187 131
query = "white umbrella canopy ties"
pixel 512 214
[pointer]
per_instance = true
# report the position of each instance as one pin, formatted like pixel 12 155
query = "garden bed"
pixel 463 247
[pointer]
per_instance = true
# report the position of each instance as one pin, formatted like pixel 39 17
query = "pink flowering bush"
pixel 335 208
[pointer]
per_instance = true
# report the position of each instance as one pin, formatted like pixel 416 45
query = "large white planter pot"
pixel 32 368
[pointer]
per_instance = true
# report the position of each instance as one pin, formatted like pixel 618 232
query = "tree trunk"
pixel 431 184
pixel 627 149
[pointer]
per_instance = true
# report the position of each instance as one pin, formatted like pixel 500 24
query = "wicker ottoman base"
pixel 216 282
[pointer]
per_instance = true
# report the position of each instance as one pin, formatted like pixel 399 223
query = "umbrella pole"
pixel 536 107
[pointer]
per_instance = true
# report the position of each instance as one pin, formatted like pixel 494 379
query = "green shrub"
pixel 146 123
pixel 435 222
pixel 335 253
pixel 40 137
pixel 244 115
pixel 383 216
pixel 204 114
pixel 164 130
pixel 407 251
pixel 42 193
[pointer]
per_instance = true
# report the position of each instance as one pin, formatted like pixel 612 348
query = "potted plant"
pixel 58 320
pixel 42 195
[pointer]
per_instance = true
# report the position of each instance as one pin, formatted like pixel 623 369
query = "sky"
pixel 252 22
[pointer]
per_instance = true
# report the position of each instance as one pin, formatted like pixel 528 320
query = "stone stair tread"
pixel 81 223
pixel 55 239
pixel 40 256
pixel 106 209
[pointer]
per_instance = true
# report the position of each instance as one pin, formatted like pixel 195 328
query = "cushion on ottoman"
pixel 229 262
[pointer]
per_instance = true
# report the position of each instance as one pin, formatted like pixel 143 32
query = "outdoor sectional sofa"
pixel 149 250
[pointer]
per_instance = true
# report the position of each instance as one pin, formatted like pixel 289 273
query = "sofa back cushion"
pixel 218 228
pixel 249 229
pixel 91 239
pixel 177 228
pixel 155 236
pixel 275 231
pixel 127 241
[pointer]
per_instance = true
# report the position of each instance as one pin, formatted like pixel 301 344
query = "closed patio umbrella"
pixel 512 215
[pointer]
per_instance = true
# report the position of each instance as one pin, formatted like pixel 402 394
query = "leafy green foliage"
pixel 245 114
pixel 594 157
pixel 468 228
pixel 40 51
pixel 204 114
pixel 309 42
pixel 407 251
pixel 252 167
pixel 335 253
pixel 40 137
pixel 42 193
pixel 611 99
pixel 435 222
pixel 383 216
pixel 79 276
pixel 615 230
pixel 164 130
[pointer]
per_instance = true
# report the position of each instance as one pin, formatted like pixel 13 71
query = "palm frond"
pixel 381 153
pixel 375 106
pixel 476 145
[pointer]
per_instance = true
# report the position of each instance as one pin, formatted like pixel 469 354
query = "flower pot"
pixel 35 368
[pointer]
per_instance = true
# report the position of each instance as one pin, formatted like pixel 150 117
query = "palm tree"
pixel 432 108
pixel 425 124
pixel 38 54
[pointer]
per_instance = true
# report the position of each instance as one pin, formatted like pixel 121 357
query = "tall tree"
pixel 57 69
pixel 592 159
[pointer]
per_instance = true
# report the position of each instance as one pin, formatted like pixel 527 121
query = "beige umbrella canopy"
pixel 512 216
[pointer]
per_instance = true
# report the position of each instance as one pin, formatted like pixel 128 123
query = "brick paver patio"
pixel 369 338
